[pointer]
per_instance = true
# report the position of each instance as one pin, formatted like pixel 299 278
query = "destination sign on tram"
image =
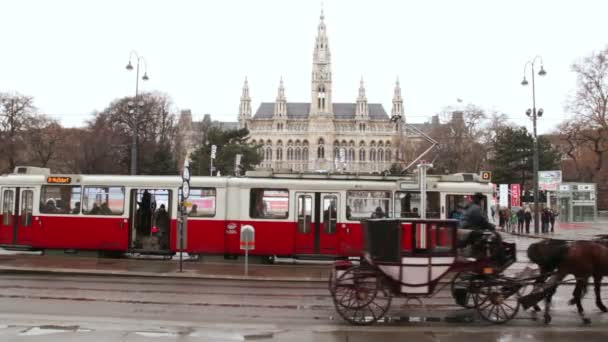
pixel 58 180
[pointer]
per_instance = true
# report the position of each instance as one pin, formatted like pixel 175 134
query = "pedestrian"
pixel 527 219
pixel 501 219
pixel 520 221
pixel 544 220
pixel 554 214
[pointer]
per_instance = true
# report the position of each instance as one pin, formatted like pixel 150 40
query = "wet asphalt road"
pixel 36 307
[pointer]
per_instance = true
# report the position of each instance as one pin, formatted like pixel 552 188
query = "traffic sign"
pixel 486 175
pixel 185 189
pixel 213 150
pixel 186 172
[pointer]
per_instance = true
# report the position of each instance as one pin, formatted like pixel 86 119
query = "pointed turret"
pixel 321 73
pixel 362 109
pixel 280 106
pixel 245 107
pixel 398 101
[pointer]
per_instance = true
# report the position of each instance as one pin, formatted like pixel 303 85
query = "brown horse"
pixel 582 259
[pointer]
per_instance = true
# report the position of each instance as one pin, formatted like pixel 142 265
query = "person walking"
pixel 544 220
pixel 553 213
pixel 527 219
pixel 520 221
pixel 501 218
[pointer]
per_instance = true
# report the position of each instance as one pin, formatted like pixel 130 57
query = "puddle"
pixel 155 334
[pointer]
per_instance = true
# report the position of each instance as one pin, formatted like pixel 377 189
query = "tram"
pixel 294 215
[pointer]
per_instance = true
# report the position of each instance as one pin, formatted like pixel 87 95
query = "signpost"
pixel 237 164
pixel 504 195
pixel 183 222
pixel 515 198
pixel 247 243
pixel 213 152
pixel 549 180
pixel 422 168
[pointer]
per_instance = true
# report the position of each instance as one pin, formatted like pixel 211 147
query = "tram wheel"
pixel 495 301
pixel 461 289
pixel 361 296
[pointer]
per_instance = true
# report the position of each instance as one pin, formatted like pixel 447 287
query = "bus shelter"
pixel 577 202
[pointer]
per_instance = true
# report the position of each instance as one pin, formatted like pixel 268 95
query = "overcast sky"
pixel 71 55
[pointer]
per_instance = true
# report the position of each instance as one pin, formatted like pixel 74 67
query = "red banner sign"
pixel 515 195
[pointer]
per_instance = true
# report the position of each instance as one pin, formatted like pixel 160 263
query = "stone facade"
pixel 323 135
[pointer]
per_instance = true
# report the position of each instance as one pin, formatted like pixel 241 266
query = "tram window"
pixel 304 213
pixel 330 220
pixel 455 205
pixel 60 199
pixel 407 204
pixel 7 207
pixel 365 204
pixel 27 206
pixel 269 203
pixel 201 202
pixel 98 200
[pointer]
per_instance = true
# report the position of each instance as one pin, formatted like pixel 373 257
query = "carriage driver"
pixel 472 228
pixel 474 218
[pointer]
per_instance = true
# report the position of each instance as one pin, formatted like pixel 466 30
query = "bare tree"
pixel 44 136
pixel 16 111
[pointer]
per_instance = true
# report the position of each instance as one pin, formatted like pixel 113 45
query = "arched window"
pixel 268 153
pixel 321 97
pixel 279 153
pixel 351 154
pixel 389 155
pixel 336 153
pixel 289 153
pixel 380 155
pixel 298 153
pixel 321 149
pixel 362 154
pixel 305 154
pixel 372 155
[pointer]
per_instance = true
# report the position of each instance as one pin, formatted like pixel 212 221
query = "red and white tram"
pixel 293 214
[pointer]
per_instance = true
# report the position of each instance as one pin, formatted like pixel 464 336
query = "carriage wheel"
pixel 496 300
pixel 462 281
pixel 361 296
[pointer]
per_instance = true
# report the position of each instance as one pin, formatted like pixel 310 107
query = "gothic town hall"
pixel 324 135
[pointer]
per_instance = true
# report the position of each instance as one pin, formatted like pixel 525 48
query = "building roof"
pixel 300 110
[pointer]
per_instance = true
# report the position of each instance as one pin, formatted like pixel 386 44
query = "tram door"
pixel 317 223
pixel 150 217
pixel 17 213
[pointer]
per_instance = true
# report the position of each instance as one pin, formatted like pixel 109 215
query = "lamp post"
pixel 534 114
pixel 134 105
pixel 398 120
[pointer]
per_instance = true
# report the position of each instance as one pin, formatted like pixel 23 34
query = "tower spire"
pixel 362 110
pixel 321 72
pixel 245 107
pixel 397 101
pixel 280 106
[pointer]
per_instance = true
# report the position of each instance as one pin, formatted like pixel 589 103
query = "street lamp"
pixel 397 119
pixel 534 114
pixel 133 109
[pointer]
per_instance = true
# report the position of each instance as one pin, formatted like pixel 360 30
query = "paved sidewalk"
pixel 569 231
pixel 162 268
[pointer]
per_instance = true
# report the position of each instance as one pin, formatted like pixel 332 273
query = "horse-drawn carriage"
pixel 410 258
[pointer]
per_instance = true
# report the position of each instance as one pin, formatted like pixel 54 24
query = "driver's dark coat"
pixel 474 219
